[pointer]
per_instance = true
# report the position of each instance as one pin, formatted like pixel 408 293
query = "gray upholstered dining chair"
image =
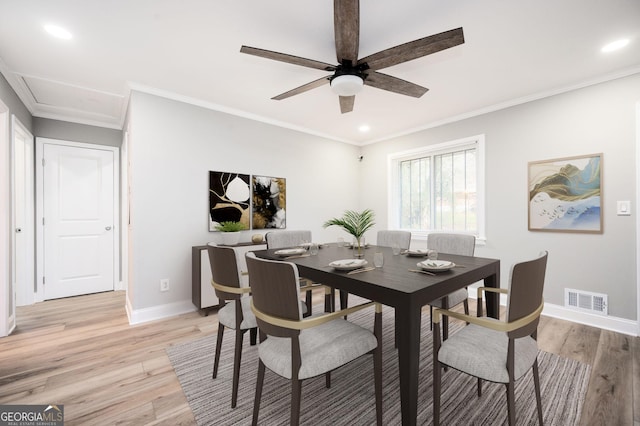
pixel 286 239
pixel 461 244
pixel 388 238
pixel 235 315
pixel 298 348
pixel 493 350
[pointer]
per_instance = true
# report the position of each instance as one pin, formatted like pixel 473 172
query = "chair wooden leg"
pixel 253 336
pixel 445 327
pixel 296 395
pixel 536 382
pixel 256 401
pixel 377 367
pixel 437 388
pixel 430 317
pixel 437 377
pixel 479 388
pixel 237 358
pixel 216 360
pixel 511 403
pixel 327 379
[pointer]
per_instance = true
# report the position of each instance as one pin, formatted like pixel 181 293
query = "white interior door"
pixel 23 270
pixel 79 224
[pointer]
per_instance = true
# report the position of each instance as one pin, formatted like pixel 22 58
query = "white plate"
pixel 348 264
pixel 417 253
pixel 290 252
pixel 436 265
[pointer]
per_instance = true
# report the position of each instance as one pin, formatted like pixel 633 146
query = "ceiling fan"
pixel 352 73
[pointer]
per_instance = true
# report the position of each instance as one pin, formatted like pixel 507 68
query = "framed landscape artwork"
pixel 269 198
pixel 229 198
pixel 565 194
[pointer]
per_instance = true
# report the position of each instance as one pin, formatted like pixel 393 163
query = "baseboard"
pixel 619 325
pixel 139 316
pixel 605 322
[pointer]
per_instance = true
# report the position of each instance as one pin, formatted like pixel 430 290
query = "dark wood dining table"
pixel 394 285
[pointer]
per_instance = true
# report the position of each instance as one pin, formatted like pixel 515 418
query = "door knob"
pixel 108 228
pixel 18 230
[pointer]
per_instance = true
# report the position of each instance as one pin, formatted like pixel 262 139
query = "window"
pixel 439 188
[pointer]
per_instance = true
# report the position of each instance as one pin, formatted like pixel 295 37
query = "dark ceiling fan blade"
pixel 414 49
pixel 346 23
pixel 290 59
pixel 394 84
pixel 346 103
pixel 304 88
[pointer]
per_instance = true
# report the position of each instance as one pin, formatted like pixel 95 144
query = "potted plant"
pixel 356 224
pixel 230 231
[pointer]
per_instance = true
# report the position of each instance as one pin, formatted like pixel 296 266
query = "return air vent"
pixel 596 303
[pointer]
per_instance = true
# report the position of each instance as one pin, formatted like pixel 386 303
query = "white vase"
pixel 230 238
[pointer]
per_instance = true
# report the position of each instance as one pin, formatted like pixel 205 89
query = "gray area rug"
pixel 351 400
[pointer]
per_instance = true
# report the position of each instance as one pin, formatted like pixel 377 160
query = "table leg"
pixel 408 333
pixel 493 299
pixel 344 299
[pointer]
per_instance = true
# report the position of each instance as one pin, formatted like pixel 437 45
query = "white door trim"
pixel 7 310
pixel 635 209
pixel 24 289
pixel 40 142
pixel 124 213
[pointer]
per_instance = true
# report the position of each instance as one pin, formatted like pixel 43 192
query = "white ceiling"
pixel 514 51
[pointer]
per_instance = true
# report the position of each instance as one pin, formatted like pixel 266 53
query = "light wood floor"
pixel 81 352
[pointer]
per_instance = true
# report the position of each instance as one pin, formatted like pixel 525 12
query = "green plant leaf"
pixel 230 226
pixel 353 222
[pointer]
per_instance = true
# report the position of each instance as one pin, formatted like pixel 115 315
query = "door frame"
pixel 24 290
pixel 637 213
pixel 40 143
pixel 7 310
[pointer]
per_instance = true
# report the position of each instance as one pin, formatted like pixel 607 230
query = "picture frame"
pixel 229 198
pixel 269 202
pixel 565 194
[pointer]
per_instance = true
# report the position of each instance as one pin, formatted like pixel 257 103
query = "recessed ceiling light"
pixel 57 32
pixel 618 44
pixel 364 128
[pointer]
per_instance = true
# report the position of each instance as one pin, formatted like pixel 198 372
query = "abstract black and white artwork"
pixel 565 194
pixel 229 198
pixel 269 202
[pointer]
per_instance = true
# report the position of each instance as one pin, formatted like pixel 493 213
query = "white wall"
pixel 64 130
pixel 173 146
pixel 596 119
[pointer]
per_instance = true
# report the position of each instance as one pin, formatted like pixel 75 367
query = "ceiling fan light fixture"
pixel 58 32
pixel 347 84
pixel 616 45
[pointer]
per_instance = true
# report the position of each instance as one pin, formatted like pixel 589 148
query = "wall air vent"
pixel 595 303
